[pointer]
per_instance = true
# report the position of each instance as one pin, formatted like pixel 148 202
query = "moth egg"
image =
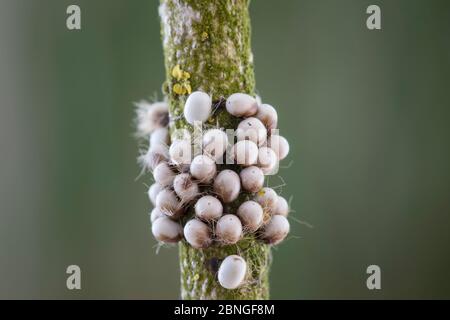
pixel 153 192
pixel 163 174
pixel 267 159
pixel 161 149
pixel 252 129
pixel 208 208
pixel 197 234
pixel 215 143
pixel 229 229
pixel 245 152
pixel 258 100
pixel 156 214
pixel 166 230
pixel 268 199
pixel 197 107
pixel 280 145
pixel 180 152
pixel 185 188
pixel 282 207
pixel 271 171
pixel 232 272
pixel 169 204
pixel 153 157
pixel 252 179
pixel 181 134
pixel 151 116
pixel 159 137
pixel 203 168
pixel 227 185
pixel 251 215
pixel 241 105
pixel 276 230
pixel 268 116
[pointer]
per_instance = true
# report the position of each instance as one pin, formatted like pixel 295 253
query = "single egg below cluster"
pixel 200 200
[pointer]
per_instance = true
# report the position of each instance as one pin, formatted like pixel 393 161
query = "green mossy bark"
pixel 210 42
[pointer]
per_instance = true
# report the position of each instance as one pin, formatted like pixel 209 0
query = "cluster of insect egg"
pixel 182 183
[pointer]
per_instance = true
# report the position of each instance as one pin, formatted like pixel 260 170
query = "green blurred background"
pixel 366 112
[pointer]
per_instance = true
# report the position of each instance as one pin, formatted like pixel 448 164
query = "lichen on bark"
pixel 207 47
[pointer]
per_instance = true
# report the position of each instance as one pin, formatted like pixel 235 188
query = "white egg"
pixel 153 192
pixel 197 234
pixel 251 215
pixel 156 214
pixel 252 179
pixel 163 174
pixel 181 134
pixel 203 168
pixel 268 116
pixel 227 185
pixel 229 229
pixel 268 199
pixel 168 202
pixel 245 152
pixel 167 230
pixel 232 272
pixel 197 107
pixel 153 157
pixel 267 160
pixel 215 143
pixel 252 129
pixel 276 230
pixel 241 105
pixel 280 145
pixel 208 208
pixel 180 152
pixel 258 100
pixel 186 189
pixel 282 207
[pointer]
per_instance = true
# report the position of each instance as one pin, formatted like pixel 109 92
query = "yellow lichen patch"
pixel 177 88
pixel 204 36
pixel 177 73
pixel 182 88
pixel 182 85
pixel 180 74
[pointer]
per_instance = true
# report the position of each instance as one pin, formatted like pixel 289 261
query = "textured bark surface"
pixel 207 47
